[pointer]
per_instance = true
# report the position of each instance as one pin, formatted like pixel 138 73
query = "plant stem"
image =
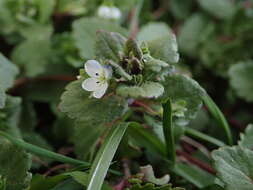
pixel 168 131
pixel 196 134
pixel 135 19
pixel 220 118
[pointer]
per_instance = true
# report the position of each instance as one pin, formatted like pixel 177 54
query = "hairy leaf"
pixel 162 46
pixel 109 45
pixel 84 33
pixel 8 72
pixel 178 87
pixel 91 114
pixel 241 77
pixel 146 90
pixel 223 9
pixel 14 161
pixel 247 137
pixel 235 167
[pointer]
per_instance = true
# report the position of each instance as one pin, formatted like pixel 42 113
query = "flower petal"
pixel 115 13
pixel 91 84
pixel 104 12
pixel 101 91
pixel 93 68
pixel 107 71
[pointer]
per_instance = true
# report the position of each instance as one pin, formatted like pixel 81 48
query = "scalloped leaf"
pixel 235 167
pixel 91 114
pixel 246 138
pixel 162 46
pixel 146 90
pixel 8 72
pixel 240 76
pixel 109 45
pixel 182 88
pixel 14 161
pixel 84 34
pixel 222 9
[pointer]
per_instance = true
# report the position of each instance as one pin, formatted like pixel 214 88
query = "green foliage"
pixel 49 40
pixel 105 155
pixel 192 32
pixel 234 166
pixel 14 161
pixel 109 45
pixel 146 90
pixel 222 9
pixel 75 102
pixel 240 76
pixel 162 47
pixel 246 139
pixel 27 55
pixel 8 72
pixel 186 89
pixel 84 34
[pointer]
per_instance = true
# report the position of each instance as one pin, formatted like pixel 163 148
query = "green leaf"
pixel 68 184
pixel 178 87
pixel 109 45
pixel 14 161
pixel 14 165
pixel 162 46
pixel 84 34
pixel 246 138
pixel 149 32
pixel 194 175
pixel 146 90
pixel 45 9
pixel 220 118
pixel 190 34
pixel 75 102
pixel 168 131
pixel 26 54
pixel 145 138
pixel 8 72
pixel 223 9
pixel 240 77
pixel 181 9
pixel 235 167
pixel 40 182
pixel 104 156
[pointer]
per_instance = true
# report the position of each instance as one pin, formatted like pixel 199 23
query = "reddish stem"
pixel 196 162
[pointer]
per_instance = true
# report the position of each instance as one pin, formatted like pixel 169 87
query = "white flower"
pixel 109 12
pixel 99 76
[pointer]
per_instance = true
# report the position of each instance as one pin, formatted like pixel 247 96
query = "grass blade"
pixel 43 152
pixel 217 114
pixel 201 136
pixel 104 157
pixel 168 131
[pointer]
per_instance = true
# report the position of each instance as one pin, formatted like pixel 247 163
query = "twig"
pixel 55 168
pixel 134 24
pixel 196 162
pixel 197 145
pixel 161 10
pixel 145 106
